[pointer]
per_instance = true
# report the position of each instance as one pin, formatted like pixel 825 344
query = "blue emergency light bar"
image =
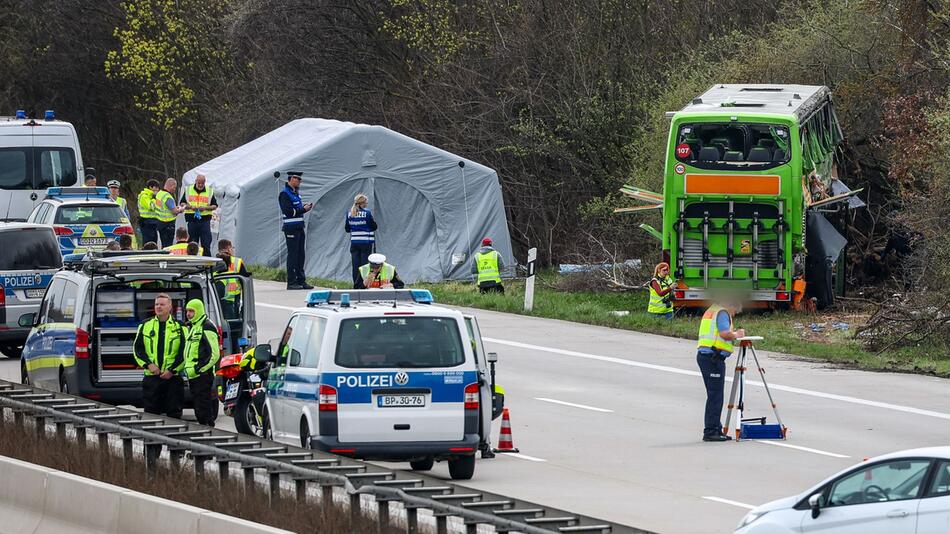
pixel 78 192
pixel 355 296
pixel 50 115
pixel 21 114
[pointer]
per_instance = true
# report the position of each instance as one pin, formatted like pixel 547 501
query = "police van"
pixel 34 155
pixel 29 257
pixel 382 375
pixel 81 341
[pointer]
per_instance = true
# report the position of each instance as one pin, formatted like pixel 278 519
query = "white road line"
pixel 729 502
pixel 582 406
pixel 800 448
pixel 275 306
pixel 523 456
pixel 774 387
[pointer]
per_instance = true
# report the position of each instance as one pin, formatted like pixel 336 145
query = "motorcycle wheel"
pixel 245 421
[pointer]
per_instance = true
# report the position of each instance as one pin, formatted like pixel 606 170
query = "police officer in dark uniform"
pixel 293 209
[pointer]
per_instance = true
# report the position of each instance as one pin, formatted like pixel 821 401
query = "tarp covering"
pixel 433 207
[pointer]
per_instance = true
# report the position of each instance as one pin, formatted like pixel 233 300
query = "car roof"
pixel 381 309
pixel 19 225
pixel 81 201
pixel 932 452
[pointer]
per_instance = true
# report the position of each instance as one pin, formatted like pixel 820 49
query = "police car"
pixel 84 218
pixel 82 337
pixel 29 256
pixel 382 375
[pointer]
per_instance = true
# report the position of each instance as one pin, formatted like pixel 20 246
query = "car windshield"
pixel 394 342
pixel 29 249
pixel 89 214
pixel 733 145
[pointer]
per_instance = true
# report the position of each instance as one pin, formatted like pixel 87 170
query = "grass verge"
pixel 812 337
pixel 181 485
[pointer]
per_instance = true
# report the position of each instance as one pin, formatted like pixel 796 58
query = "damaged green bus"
pixel 752 199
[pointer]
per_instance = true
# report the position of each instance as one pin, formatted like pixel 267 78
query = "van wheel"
pixel 24 376
pixel 304 434
pixel 462 468
pixel 422 465
pixel 63 383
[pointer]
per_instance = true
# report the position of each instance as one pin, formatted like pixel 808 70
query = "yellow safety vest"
pixel 174 337
pixel 233 287
pixel 709 331
pixel 146 204
pixel 181 249
pixel 487 264
pixel 122 204
pixel 197 198
pixel 656 301
pixel 162 212
pixel 385 275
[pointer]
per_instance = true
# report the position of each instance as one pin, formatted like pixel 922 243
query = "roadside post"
pixel 529 283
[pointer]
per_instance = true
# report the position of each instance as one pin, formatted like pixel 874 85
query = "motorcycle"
pixel 242 389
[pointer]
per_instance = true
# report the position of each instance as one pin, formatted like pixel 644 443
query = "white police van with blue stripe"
pixel 382 375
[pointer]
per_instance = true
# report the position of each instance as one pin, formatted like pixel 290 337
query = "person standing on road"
pixel 182 240
pixel 362 227
pixel 166 210
pixel 159 349
pixel 293 209
pixel 661 292
pixel 199 202
pixel 114 195
pixel 716 337
pixel 487 266
pixel 148 224
pixel 202 352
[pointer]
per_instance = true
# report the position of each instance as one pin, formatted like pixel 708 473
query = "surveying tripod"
pixel 743 430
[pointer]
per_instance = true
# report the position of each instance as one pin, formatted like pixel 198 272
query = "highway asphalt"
pixel 609 422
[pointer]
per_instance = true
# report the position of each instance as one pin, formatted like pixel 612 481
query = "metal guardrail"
pixel 283 463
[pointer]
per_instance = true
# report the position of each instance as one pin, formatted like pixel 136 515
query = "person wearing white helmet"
pixel 377 274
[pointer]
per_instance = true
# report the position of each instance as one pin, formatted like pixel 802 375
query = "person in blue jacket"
pixel 293 209
pixel 362 227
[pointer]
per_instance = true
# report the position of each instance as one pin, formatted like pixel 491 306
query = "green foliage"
pixel 434 28
pixel 165 48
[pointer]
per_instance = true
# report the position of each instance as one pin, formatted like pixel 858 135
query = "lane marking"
pixel 582 406
pixel 730 502
pixel 274 306
pixel 522 456
pixel 774 387
pixel 800 448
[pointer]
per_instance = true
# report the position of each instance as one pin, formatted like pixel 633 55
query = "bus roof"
pixel 731 98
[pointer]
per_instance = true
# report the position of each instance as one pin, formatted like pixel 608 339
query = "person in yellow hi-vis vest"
pixel 377 274
pixel 661 292
pixel 200 203
pixel 180 248
pixel 487 265
pixel 148 224
pixel 716 337
pixel 231 304
pixel 166 211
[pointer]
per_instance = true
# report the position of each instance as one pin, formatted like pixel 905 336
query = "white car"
pixel 906 492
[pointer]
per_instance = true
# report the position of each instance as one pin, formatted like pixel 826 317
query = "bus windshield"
pixel 733 145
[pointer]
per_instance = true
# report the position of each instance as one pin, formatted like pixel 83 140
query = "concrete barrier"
pixel 22 495
pixel 38 500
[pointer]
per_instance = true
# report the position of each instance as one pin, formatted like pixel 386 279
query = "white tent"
pixel 433 207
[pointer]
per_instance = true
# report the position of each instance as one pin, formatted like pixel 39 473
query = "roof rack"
pixel 345 297
pixel 77 260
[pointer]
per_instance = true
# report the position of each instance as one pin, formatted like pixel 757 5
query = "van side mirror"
pixel 294 357
pixel 492 357
pixel 262 353
pixel 27 320
pixel 815 503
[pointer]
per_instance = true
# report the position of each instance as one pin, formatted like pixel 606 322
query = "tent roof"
pixel 293 142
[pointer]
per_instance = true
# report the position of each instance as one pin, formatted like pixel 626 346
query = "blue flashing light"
pixel 242 342
pixel 21 114
pixel 318 296
pixel 78 192
pixel 345 300
pixel 50 115
pixel 421 296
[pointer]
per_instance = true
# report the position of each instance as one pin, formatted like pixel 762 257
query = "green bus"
pixel 752 200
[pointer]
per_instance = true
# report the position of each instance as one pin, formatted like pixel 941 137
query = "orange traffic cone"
pixel 505 442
